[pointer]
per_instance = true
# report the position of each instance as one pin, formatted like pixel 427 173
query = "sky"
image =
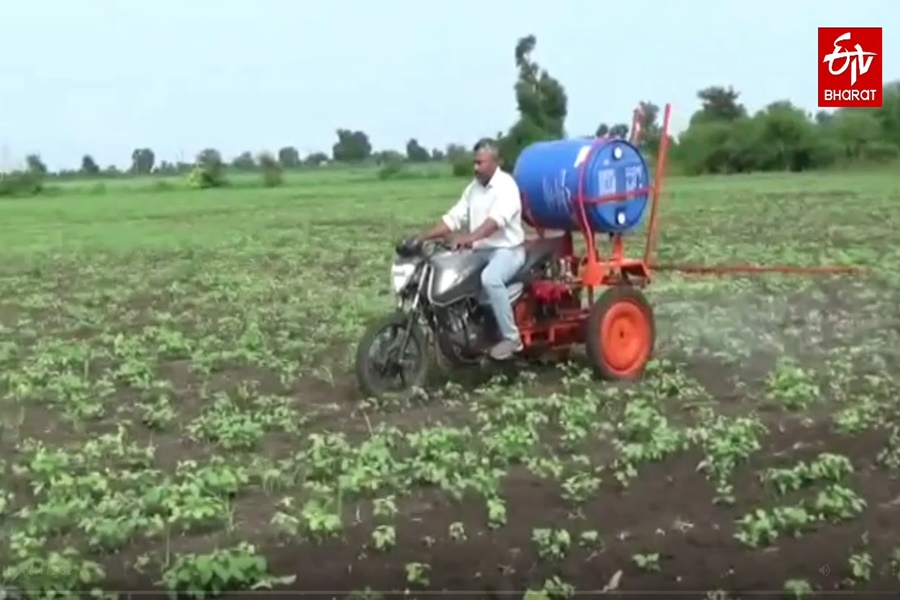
pixel 105 76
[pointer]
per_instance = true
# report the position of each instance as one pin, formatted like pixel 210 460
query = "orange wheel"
pixel 621 333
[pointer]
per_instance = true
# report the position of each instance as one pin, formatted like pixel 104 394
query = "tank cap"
pixel 617 153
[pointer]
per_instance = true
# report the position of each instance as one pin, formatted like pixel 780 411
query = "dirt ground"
pixel 666 511
pixel 214 362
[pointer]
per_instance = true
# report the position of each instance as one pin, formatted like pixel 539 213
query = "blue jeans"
pixel 503 264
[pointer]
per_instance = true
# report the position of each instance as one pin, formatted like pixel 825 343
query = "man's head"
pixel 487 159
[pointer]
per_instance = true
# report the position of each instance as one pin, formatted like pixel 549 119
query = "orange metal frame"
pixel 594 270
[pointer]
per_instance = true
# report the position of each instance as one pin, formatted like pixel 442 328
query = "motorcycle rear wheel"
pixel 454 356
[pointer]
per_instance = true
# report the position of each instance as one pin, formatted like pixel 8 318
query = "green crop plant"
pixel 179 411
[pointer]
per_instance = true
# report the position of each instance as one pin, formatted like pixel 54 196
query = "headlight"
pixel 400 276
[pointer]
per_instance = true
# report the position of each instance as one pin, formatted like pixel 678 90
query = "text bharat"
pixel 850 95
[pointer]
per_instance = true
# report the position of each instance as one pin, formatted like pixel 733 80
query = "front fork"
pixel 413 310
pixel 411 320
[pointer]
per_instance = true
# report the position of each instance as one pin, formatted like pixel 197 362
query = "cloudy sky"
pixel 103 76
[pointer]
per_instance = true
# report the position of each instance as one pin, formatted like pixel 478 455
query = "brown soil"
pixel 667 510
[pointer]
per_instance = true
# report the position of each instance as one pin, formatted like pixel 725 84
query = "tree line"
pixel 722 137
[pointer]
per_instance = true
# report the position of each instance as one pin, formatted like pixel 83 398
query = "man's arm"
pixel 505 208
pixel 453 221
pixel 438 231
pixel 483 231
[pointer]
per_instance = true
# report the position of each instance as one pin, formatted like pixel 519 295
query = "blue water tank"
pixel 548 175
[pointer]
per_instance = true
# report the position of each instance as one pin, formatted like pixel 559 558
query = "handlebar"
pixel 411 248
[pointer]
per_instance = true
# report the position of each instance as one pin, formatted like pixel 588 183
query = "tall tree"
pixel 288 157
pixel 719 104
pixel 415 152
pixel 541 101
pixel 89 165
pixel 142 161
pixel 35 165
pixel 352 146
pixel 244 161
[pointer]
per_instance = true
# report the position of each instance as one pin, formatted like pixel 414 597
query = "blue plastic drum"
pixel 548 175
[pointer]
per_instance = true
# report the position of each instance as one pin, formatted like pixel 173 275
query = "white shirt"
pixel 499 200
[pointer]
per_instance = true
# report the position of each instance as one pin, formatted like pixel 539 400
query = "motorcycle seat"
pixel 537 250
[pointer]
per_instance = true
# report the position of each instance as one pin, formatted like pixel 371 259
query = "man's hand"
pixel 438 231
pixel 460 242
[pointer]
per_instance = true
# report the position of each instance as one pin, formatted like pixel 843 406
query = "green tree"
pixel 456 150
pixel 541 101
pixel 244 162
pixel 387 156
pixel 166 167
pixel 855 130
pixel 619 130
pixel 316 158
pixel 209 170
pixel 461 165
pixel 352 146
pixel 21 183
pixel 719 104
pixel 723 138
pixel 272 175
pixel 650 127
pixel 288 157
pixel 89 166
pixel 34 164
pixel 780 138
pixel 393 164
pixel 702 148
pixel 415 152
pixel 889 114
pixel 142 161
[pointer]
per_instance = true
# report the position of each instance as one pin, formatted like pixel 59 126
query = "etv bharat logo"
pixel 861 86
pixel 859 62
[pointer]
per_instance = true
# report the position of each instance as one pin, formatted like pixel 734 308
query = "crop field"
pixel 179 411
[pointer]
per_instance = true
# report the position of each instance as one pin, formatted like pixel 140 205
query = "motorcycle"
pixel 440 302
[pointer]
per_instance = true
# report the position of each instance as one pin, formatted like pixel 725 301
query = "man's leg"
pixel 502 266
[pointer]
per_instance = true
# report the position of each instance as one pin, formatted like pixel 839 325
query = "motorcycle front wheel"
pixel 392 356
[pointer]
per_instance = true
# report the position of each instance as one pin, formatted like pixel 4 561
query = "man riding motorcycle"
pixel 490 210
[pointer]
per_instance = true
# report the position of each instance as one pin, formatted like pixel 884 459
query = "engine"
pixel 468 327
pixel 550 297
pixel 466 323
